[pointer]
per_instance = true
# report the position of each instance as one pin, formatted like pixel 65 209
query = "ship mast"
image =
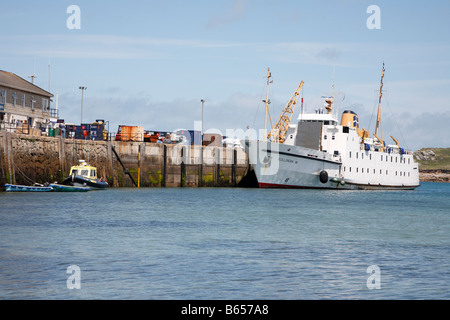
pixel 267 102
pixel 379 127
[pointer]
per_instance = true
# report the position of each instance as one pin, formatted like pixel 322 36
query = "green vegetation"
pixel 433 158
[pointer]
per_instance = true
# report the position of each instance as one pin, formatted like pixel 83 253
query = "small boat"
pixel 68 188
pixel 22 188
pixel 84 175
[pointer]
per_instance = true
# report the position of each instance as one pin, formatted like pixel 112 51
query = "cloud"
pixel 423 130
pixel 234 13
pixel 100 46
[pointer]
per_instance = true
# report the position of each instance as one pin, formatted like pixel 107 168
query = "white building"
pixel 24 105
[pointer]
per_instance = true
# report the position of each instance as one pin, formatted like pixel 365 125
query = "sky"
pixel 150 63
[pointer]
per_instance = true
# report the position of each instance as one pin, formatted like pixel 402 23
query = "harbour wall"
pixel 27 159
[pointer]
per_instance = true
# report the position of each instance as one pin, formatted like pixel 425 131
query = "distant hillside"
pixel 433 158
pixel 434 164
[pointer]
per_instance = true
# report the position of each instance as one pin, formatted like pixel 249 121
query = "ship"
pixel 321 152
pixel 85 176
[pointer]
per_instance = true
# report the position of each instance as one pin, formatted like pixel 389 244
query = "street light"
pixel 82 91
pixel 203 102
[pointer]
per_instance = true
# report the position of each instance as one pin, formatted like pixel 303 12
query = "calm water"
pixel 209 243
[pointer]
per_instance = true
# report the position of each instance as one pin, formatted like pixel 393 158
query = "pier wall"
pixel 26 159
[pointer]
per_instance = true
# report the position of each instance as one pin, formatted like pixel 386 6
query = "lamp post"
pixel 203 103
pixel 82 91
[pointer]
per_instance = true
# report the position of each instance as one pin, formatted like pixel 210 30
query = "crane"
pixel 278 133
pixel 396 142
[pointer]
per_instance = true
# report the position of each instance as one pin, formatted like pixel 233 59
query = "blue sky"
pixel 150 63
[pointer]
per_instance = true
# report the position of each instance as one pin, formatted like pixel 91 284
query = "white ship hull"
pixel 282 166
pixel 285 166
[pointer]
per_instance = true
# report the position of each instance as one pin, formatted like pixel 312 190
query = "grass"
pixel 441 161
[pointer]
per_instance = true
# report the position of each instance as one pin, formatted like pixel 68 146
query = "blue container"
pixel 196 137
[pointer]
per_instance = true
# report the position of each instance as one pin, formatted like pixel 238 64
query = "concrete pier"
pixel 27 159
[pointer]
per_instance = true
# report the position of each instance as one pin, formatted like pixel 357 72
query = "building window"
pixel 32 102
pixel 333 137
pixel 325 137
pixel 14 100
pixel 3 97
pixel 44 105
pixel 23 100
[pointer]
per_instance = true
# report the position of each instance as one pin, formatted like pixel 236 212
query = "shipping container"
pixel 130 133
pixel 192 137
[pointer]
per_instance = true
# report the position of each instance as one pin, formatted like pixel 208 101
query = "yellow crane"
pixel 396 142
pixel 278 133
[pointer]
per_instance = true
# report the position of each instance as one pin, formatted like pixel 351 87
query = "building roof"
pixel 13 81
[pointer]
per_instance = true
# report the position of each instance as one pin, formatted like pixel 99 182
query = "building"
pixel 24 105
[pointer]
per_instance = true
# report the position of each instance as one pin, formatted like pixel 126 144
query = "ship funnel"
pixel 350 119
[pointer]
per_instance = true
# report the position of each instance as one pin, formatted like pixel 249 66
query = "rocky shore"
pixel 434 175
pixel 434 164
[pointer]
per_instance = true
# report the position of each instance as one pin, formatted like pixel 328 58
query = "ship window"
pixel 349 154
pixel 92 173
pixel 84 172
pixel 395 159
pixel 356 169
pixel 408 160
pixel 381 157
pixel 373 171
pixel 391 158
pixel 357 155
pixel 325 137
pixel 367 170
pixel 370 156
pixel 336 153
pixel 362 155
pixel 75 171
pixel 386 172
pixel 349 169
pixel 333 137
pixel 409 173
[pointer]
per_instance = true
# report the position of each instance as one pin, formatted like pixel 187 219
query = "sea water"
pixel 226 243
